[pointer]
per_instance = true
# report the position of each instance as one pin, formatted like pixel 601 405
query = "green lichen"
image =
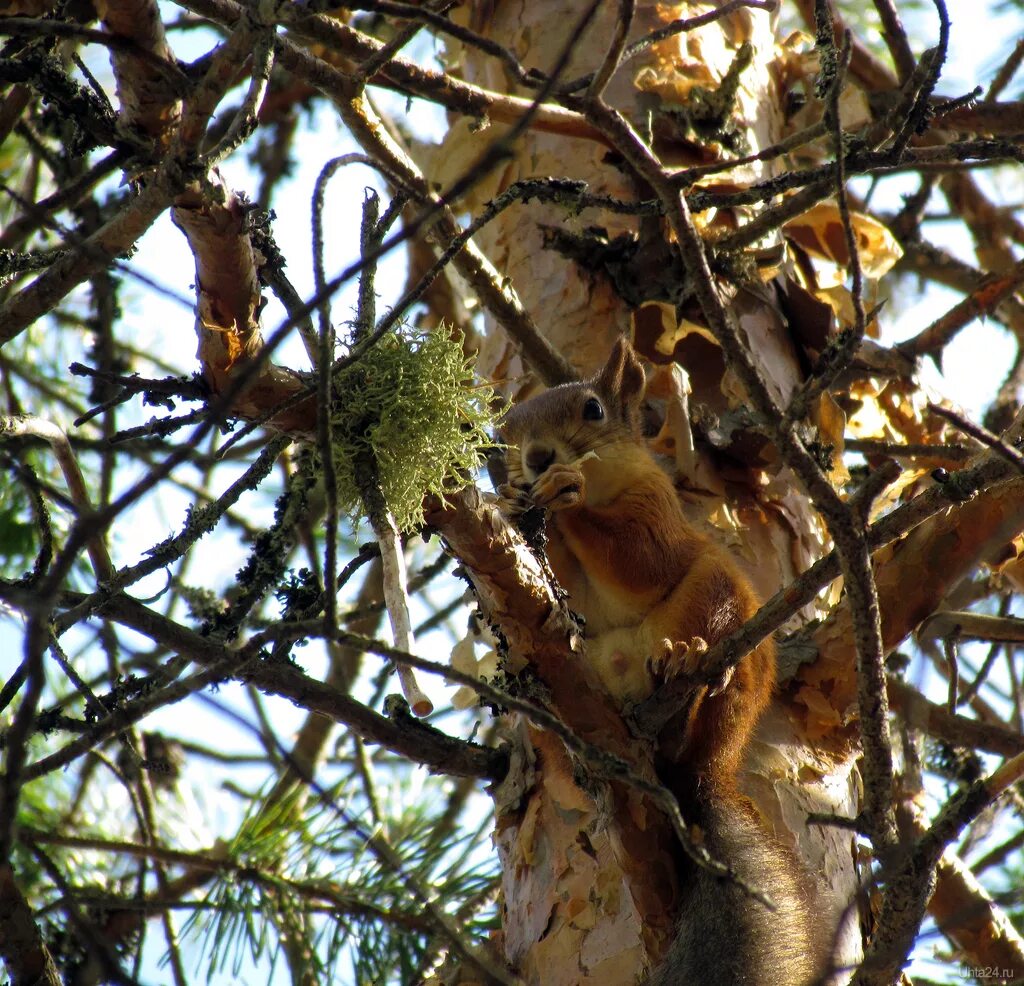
pixel 412 403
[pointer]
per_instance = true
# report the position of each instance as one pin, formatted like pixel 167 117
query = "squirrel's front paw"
pixel 513 500
pixel 560 487
pixel 686 657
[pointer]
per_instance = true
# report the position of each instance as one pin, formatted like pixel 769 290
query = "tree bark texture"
pixel 573 910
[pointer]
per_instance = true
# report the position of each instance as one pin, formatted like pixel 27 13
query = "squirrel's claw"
pixel 686 657
pixel 719 684
pixel 514 500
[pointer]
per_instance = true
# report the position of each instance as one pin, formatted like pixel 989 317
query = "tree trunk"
pixel 579 907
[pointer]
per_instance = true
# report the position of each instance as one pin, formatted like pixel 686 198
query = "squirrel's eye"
pixel 592 410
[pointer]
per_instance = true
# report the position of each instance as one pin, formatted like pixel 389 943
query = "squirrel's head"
pixel 566 422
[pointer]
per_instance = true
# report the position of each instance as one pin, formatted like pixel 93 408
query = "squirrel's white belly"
pixel 621 658
pixel 617 646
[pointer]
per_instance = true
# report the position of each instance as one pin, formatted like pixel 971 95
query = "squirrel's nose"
pixel 538 458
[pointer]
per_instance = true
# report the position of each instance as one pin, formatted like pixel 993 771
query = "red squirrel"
pixel 655 594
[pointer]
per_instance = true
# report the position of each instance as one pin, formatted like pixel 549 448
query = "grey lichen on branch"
pixel 404 420
pixel 411 402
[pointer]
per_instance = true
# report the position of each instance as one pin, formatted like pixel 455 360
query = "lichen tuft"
pixel 413 403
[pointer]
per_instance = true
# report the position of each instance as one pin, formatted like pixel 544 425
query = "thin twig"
pixel 612 57
pixel 896 38
pixel 169 72
pixel 988 295
pixel 367 473
pixel 910 450
pixel 246 118
pixel 842 199
pixel 974 626
pixel 684 25
pixel 974 686
pixel 983 435
pixel 16 774
pixel 928 71
pixel 67 196
pixel 839 353
pixel 372 65
pixel 687 176
pixel 1006 73
pixel 327 172
pixel 949 645
pixel 39 428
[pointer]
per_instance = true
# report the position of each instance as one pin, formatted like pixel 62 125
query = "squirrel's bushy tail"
pixel 724 935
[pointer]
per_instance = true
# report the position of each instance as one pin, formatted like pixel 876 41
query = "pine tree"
pixel 749 194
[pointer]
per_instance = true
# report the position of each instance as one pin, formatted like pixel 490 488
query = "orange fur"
pixel 633 567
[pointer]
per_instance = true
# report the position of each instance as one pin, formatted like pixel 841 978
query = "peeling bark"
pixel 229 301
pixel 25 955
pixel 147 102
pixel 964 911
pixel 588 867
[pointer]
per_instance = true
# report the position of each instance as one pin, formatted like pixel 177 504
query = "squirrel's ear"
pixel 623 378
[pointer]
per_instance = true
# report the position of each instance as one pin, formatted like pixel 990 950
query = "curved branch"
pixel 229 299
pixel 913 578
pixel 417 742
pixel 402 75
